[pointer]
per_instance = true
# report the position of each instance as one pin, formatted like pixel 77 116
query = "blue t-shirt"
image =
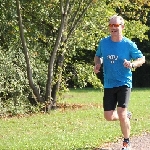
pixel 114 53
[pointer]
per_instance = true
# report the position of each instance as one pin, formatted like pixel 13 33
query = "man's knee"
pixel 108 118
pixel 123 117
pixel 110 115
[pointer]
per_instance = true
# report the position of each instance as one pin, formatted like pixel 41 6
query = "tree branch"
pixel 53 56
pixel 75 23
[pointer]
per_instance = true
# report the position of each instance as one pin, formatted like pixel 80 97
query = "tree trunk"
pixel 55 90
pixel 25 50
pixel 48 96
pixel 64 39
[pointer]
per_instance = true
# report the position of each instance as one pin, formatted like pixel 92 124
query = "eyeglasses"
pixel 115 25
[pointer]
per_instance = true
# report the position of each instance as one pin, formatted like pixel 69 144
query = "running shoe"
pixel 129 114
pixel 126 146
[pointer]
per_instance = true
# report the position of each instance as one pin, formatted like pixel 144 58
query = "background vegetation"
pixel 48 46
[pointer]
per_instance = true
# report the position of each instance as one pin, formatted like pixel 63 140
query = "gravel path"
pixel 138 143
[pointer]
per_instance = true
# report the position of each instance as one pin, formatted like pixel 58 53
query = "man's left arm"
pixel 138 62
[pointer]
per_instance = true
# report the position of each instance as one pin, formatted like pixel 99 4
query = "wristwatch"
pixel 133 66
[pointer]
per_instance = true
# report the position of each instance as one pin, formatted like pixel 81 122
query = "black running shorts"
pixel 117 96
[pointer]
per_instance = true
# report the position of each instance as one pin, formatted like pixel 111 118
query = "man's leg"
pixel 121 115
pixel 111 97
pixel 123 101
pixel 124 122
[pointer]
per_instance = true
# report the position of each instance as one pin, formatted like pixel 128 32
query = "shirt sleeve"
pixel 135 52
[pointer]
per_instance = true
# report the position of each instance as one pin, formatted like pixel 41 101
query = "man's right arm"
pixel 98 62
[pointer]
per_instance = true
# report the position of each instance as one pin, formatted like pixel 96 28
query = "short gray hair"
pixel 118 17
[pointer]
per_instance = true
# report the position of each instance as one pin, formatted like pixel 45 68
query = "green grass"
pixel 76 128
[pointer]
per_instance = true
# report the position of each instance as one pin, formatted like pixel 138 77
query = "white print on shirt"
pixel 112 58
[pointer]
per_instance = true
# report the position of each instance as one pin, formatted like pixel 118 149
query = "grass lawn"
pixel 81 126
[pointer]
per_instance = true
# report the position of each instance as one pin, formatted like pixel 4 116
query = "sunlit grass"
pixel 78 128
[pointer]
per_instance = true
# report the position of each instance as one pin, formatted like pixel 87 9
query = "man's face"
pixel 115 27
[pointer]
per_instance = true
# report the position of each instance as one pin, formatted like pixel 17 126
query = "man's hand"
pixel 127 64
pixel 97 68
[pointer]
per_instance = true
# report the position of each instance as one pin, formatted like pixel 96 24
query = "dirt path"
pixel 138 143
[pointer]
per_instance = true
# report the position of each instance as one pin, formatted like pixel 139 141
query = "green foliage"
pixel 135 29
pixel 93 27
pixel 12 74
pixel 18 107
pixel 84 74
pixel 41 22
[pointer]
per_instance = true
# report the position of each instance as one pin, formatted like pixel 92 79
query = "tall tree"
pixel 65 30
